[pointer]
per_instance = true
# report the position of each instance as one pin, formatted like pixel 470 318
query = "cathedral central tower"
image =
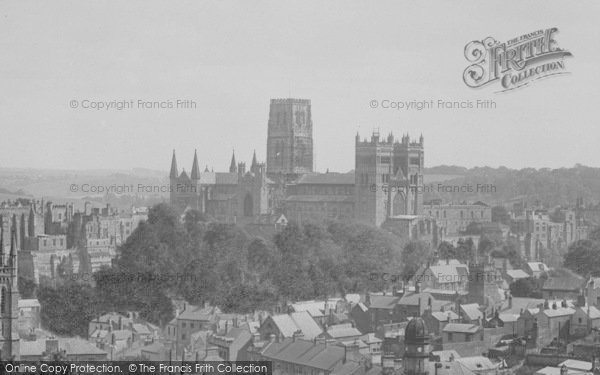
pixel 289 141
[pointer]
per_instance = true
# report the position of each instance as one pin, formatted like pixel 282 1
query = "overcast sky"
pixel 233 57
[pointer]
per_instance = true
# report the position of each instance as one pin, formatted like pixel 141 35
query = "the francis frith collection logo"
pixel 514 63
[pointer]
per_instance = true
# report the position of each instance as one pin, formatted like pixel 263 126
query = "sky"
pixel 232 57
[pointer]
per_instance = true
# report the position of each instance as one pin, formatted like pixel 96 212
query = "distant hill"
pixel 549 187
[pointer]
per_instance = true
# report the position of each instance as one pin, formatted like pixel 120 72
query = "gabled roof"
pixel 343 330
pixel 471 310
pixel 305 353
pixel 563 283
pixel 477 363
pixel 383 302
pixel 288 324
pixel 519 303
pixel 444 316
pixel 461 327
pixel 450 273
pixel 370 338
pixel 574 364
pixel 448 368
pixel 517 274
pixel 198 313
pixel 559 311
pixel 315 308
pixel 507 318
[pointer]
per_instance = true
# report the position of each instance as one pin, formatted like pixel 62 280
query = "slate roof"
pixel 517 274
pixel 305 353
pixel 477 363
pixel 316 309
pixel 471 310
pixel 450 273
pixel 563 284
pixel 288 324
pixel 343 330
pixel 559 311
pixel 383 302
pixel 449 368
pixel 461 327
pixel 519 303
pixel 443 316
pixel 508 318
pixel 198 313
pixel 72 346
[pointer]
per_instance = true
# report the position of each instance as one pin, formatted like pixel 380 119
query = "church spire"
pixel 254 164
pixel 13 248
pixel 174 172
pixel 233 165
pixel 195 169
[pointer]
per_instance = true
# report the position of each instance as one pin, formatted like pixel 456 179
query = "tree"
pixel 26 287
pixel 583 258
pixel 68 309
pixel 414 255
pixel 595 235
pixel 528 288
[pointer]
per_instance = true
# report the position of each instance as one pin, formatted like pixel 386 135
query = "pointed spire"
pixel 174 172
pixel 254 162
pixel 195 169
pixel 13 246
pixel 206 169
pixel 233 165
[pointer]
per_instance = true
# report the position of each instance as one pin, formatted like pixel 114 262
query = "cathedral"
pixel 385 188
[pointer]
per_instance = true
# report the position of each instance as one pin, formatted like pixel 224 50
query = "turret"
pixel 233 165
pixel 421 140
pixel 375 136
pixel 174 172
pixel 195 169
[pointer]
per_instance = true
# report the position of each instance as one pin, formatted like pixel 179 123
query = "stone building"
pixel 453 219
pixel 388 178
pixel 289 141
pixel 234 196
pixel 384 189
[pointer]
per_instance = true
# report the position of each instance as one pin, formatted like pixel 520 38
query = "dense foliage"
pixel 223 264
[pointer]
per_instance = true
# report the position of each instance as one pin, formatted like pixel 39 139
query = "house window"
pixel 449 336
